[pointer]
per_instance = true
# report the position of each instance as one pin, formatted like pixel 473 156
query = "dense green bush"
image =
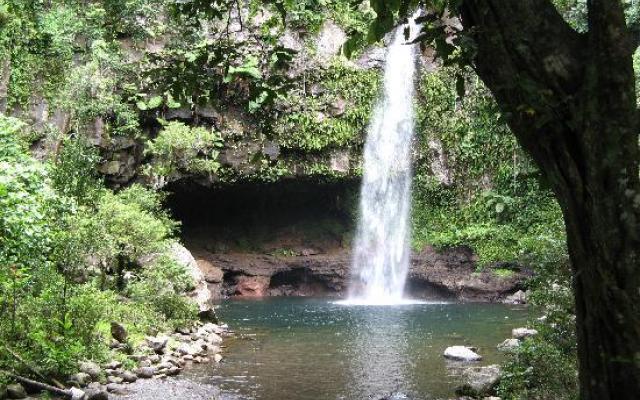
pixel 65 243
pixel 179 147
pixel 545 366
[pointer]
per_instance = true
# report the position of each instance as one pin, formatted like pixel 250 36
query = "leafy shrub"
pixel 179 147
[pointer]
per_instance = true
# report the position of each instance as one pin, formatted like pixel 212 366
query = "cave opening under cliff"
pixel 287 217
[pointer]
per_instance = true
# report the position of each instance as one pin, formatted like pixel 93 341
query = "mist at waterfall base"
pixel 381 251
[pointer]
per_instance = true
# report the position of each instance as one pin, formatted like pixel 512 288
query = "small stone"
pixel 115 388
pixel 521 333
pixel 128 376
pixel 119 332
pixel 114 379
pixel 145 372
pixel 217 358
pixel 187 357
pixel 461 353
pixel 96 394
pixel 154 358
pixel 145 363
pixel 91 368
pixel 16 391
pixel 173 371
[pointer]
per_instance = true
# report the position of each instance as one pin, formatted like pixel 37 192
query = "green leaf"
pixel 154 102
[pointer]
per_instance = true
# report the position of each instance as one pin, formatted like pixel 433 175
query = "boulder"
pixel 157 344
pixel 77 394
pixel 80 379
pixel 183 257
pixel 518 297
pixel 461 353
pixel 479 381
pixel 119 332
pixel 90 368
pixel 509 345
pixel 212 273
pixel 521 333
pixel 16 391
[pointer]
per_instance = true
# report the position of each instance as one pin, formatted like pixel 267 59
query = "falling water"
pixel 381 252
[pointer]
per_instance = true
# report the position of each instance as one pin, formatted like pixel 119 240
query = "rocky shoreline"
pixel 156 360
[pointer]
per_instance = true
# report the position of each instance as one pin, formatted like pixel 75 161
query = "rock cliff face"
pixel 448 274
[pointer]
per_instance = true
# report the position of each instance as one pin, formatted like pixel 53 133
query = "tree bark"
pixel 570 100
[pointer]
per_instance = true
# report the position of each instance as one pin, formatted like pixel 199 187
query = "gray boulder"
pixel 479 381
pixel 16 391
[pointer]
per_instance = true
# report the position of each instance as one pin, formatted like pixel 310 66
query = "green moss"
pixel 337 117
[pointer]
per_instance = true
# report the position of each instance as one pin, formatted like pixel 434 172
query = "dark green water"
pixel 312 349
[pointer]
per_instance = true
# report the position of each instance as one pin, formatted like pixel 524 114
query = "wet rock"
pixel 16 391
pixel 145 372
pixel 479 381
pixel 119 332
pixel 128 376
pixel 519 297
pixel 521 333
pixel 509 345
pixel 157 344
pixel 90 368
pixel 461 353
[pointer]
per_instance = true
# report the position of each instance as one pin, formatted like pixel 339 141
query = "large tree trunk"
pixel 570 100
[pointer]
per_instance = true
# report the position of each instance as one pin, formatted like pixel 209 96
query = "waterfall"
pixel 381 251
